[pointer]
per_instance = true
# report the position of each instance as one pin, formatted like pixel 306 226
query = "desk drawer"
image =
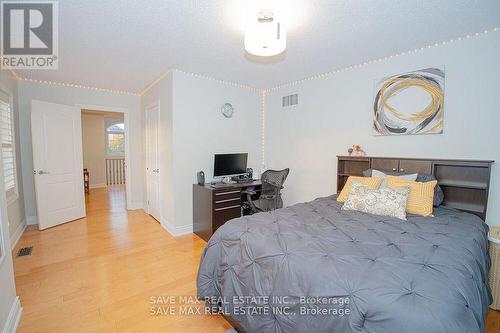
pixel 226 195
pixel 222 203
pixel 224 214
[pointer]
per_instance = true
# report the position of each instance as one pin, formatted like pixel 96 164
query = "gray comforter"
pixel 312 267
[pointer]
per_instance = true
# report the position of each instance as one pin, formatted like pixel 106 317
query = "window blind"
pixel 7 141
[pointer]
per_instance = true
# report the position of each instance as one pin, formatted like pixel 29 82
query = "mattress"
pixel 313 267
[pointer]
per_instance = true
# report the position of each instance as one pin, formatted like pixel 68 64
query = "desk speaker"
pixel 201 178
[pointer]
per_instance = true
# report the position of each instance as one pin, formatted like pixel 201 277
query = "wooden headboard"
pixel 465 183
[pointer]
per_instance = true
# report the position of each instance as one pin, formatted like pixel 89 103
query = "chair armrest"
pixel 248 191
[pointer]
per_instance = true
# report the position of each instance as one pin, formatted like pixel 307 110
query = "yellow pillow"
pixel 421 195
pixel 373 182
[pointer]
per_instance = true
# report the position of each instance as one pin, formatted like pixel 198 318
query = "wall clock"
pixel 227 110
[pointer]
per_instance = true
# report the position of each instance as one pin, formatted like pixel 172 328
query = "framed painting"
pixel 410 103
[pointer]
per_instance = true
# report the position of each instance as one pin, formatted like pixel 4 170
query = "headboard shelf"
pixel 465 183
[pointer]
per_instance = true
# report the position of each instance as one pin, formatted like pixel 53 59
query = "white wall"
pixel 200 131
pixel 9 302
pixel 336 112
pixel 15 208
pixel 192 130
pixel 93 141
pixel 94 144
pixel 78 96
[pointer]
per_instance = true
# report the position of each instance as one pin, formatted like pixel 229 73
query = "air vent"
pixel 290 100
pixel 25 251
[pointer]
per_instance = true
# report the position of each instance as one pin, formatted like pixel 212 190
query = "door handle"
pixel 41 172
pixel 394 169
pixel 402 170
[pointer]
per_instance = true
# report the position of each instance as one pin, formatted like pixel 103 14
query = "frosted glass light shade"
pixel 265 38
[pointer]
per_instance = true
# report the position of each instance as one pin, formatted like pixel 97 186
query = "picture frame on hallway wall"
pixel 410 103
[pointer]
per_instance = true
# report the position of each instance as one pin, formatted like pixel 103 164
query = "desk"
pixel 214 206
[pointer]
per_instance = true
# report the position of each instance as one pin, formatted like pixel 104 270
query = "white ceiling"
pixel 127 44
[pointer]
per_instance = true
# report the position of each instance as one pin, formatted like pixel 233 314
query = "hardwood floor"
pixel 98 274
pixel 493 322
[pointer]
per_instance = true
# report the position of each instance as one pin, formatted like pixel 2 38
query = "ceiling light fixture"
pixel 265 36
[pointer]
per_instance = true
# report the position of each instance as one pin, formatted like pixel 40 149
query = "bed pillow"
pixel 421 197
pixel 386 201
pixel 370 181
pixel 380 174
pixel 438 191
pixel 368 173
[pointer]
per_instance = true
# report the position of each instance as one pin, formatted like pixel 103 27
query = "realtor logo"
pixel 29 34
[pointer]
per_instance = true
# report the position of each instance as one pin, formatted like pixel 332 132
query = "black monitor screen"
pixel 230 164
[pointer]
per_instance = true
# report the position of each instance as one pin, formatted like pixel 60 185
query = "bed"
pixel 313 267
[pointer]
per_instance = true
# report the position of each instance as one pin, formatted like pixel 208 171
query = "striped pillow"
pixel 421 195
pixel 374 183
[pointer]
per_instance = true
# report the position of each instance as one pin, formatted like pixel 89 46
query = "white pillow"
pixel 386 201
pixel 383 184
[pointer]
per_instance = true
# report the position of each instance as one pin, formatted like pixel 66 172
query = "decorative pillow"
pixel 370 181
pixel 386 201
pixel 421 195
pixel 438 191
pixel 380 174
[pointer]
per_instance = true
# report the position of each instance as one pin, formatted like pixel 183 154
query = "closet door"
pixel 152 161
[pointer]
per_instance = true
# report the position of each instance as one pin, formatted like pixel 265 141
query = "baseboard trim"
pixel 100 185
pixel 177 231
pixel 31 220
pixel 17 234
pixel 134 205
pixel 14 317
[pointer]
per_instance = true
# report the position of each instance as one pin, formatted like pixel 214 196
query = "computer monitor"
pixel 230 164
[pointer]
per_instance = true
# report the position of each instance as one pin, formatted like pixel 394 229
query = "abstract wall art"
pixel 410 103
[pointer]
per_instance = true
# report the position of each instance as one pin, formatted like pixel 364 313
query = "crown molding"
pixel 14 74
pixel 229 83
pixel 152 84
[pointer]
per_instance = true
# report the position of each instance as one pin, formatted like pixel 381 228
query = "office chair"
pixel 270 197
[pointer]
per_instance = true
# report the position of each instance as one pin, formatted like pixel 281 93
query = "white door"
pixel 56 132
pixel 152 161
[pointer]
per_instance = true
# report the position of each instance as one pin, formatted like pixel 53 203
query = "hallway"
pixel 98 274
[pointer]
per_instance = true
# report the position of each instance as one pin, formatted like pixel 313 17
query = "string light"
pixel 263 94
pixel 336 71
pixel 72 85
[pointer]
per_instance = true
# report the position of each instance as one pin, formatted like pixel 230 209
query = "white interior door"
pixel 152 160
pixel 56 132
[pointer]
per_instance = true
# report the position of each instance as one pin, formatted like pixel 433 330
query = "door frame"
pixel 126 115
pixel 149 106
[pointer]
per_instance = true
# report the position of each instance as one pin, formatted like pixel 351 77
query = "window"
pixel 115 140
pixel 8 148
